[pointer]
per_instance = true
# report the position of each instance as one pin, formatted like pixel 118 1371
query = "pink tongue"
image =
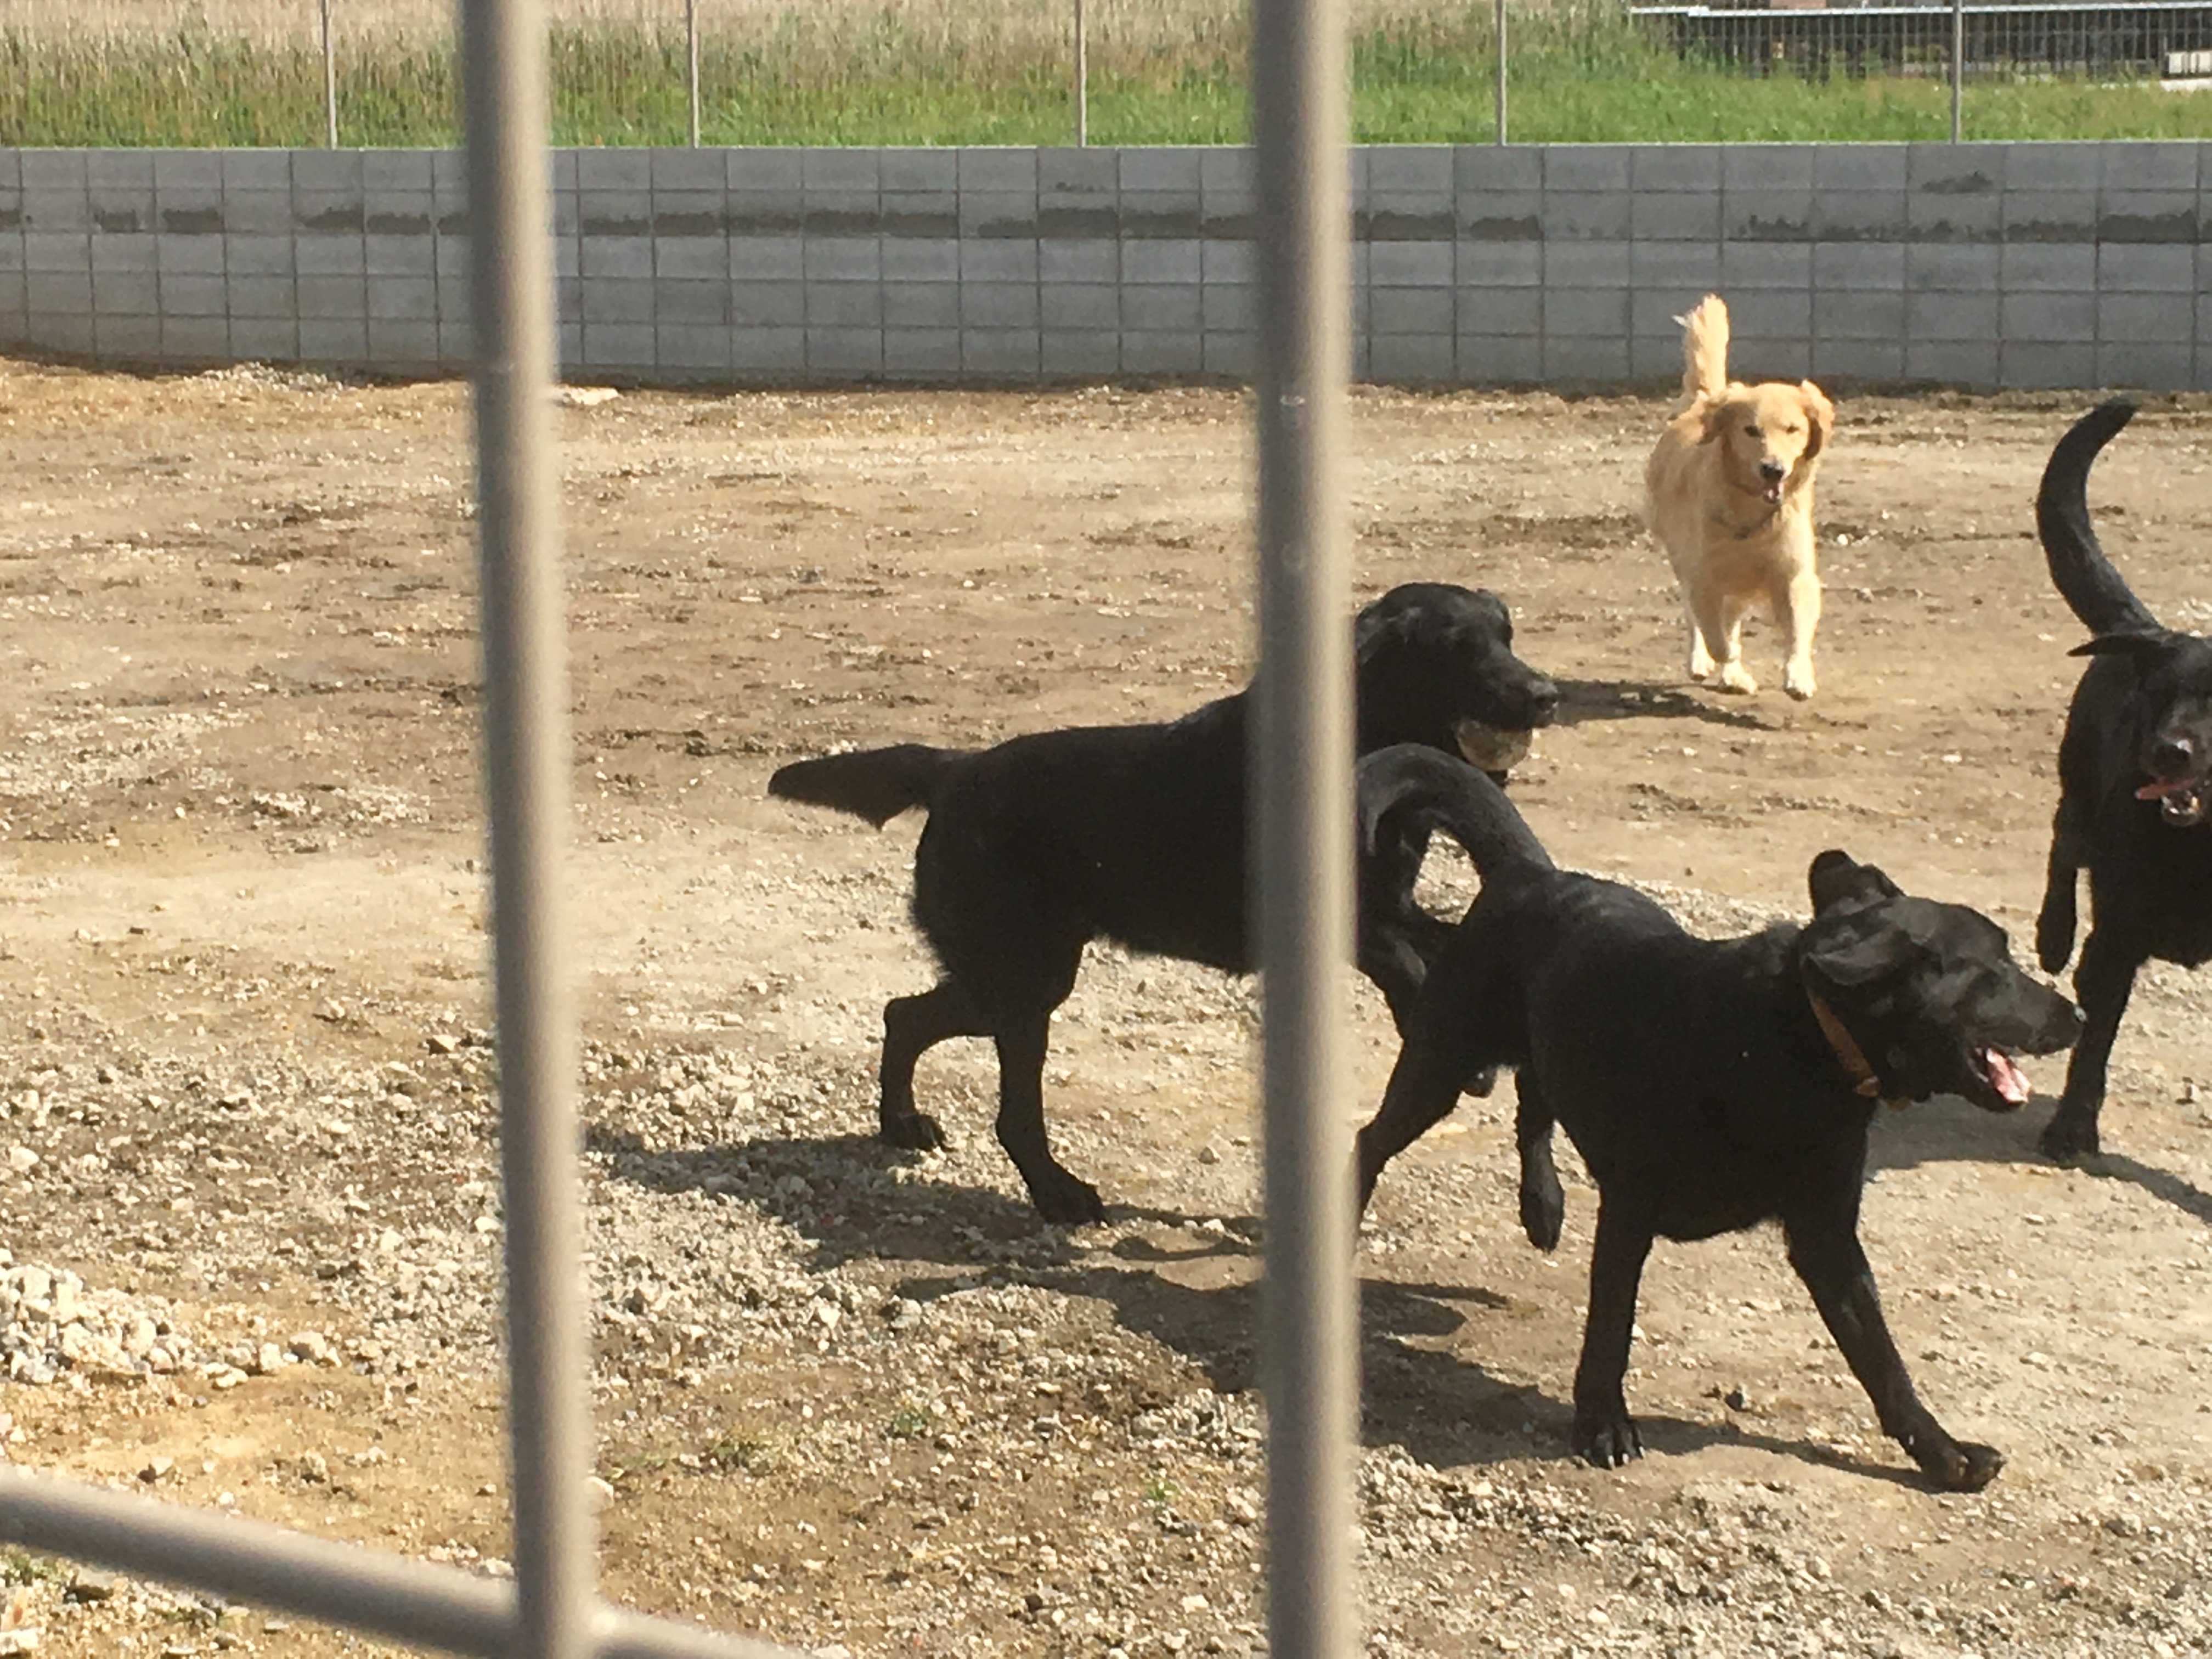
pixel 2006 1078
pixel 2156 790
pixel 1774 492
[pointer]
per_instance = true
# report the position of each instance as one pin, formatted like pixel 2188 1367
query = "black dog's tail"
pixel 2096 591
pixel 875 784
pixel 1410 787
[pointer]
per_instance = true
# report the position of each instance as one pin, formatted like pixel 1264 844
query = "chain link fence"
pixel 384 72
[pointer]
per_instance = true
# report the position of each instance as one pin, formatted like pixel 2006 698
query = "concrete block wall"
pixel 2027 265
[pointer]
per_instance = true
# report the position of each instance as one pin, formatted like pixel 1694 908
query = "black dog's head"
pixel 1434 664
pixel 1927 991
pixel 2173 692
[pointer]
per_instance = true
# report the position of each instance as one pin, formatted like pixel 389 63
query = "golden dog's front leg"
pixel 1717 621
pixel 1797 608
pixel 1701 659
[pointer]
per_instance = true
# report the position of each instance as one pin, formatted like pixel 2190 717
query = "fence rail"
pixel 288 73
pixel 2158 38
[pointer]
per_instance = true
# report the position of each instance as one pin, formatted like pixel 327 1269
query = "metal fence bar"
pixel 1302 776
pixel 1958 68
pixel 691 65
pixel 330 80
pixel 1499 26
pixel 270 1566
pixel 1082 80
pixel 526 757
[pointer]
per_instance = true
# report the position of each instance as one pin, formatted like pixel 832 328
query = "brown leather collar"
pixel 1854 1063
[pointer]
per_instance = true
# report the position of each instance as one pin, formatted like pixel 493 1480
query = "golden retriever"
pixel 1728 495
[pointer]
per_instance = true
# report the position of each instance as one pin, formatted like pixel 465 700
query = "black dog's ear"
pixel 1381 623
pixel 1836 876
pixel 2145 648
pixel 1860 959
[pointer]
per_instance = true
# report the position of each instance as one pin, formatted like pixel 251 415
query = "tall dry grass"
pixel 948 71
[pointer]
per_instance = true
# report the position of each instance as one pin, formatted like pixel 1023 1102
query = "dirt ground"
pixel 858 1400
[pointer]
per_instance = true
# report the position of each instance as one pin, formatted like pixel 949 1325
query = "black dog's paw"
pixel 2070 1136
pixel 1065 1200
pixel 1609 1444
pixel 1964 1468
pixel 917 1132
pixel 1543 1213
pixel 2054 937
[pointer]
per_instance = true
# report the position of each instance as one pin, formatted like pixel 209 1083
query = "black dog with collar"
pixel 2133 785
pixel 1709 1084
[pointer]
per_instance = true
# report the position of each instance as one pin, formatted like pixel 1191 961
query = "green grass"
pixel 1580 75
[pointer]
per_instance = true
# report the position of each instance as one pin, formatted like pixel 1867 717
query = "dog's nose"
pixel 1543 701
pixel 1772 470
pixel 2171 756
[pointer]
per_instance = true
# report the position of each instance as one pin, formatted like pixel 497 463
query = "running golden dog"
pixel 1728 495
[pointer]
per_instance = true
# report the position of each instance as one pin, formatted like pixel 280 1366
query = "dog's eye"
pixel 1753 429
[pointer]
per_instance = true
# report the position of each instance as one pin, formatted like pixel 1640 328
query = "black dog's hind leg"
pixel 912 1026
pixel 2103 983
pixel 1825 1250
pixel 1543 1204
pixel 1604 1433
pixel 1058 1195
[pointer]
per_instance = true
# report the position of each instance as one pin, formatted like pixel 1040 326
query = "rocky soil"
pixel 859 1401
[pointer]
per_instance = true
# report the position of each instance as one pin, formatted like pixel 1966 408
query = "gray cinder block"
pixel 1080 352
pixel 768 305
pixel 844 307
pixel 922 353
pixel 1163 352
pixel 2157 366
pixel 691 305
pixel 999 261
pixel 1572 356
pixel 768 351
pixel 1858 314
pixel 1091 308
pixel 410 298
pixel 929 304
pixel 618 345
pixel 1163 308
pixel 2023 363
pixel 1974 315
pixel 1498 357
pixel 1397 312
pixel 262 339
pixel 691 350
pixel 1965 362
pixel 2047 316
pixel 1410 359
pixel 845 353
pixel 1858 359
pixel 194 339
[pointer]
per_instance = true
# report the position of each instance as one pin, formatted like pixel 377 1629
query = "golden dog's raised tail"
pixel 1705 350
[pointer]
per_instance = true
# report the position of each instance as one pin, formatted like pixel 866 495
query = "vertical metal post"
pixel 1300 774
pixel 330 80
pixel 1500 26
pixel 1082 81
pixel 1958 68
pixel 691 65
pixel 525 768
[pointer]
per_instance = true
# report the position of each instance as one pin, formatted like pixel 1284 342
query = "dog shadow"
pixel 1584 700
pixel 1949 1130
pixel 1443 1409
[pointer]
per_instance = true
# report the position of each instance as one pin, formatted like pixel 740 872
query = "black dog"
pixel 1709 1085
pixel 1136 834
pixel 2133 790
